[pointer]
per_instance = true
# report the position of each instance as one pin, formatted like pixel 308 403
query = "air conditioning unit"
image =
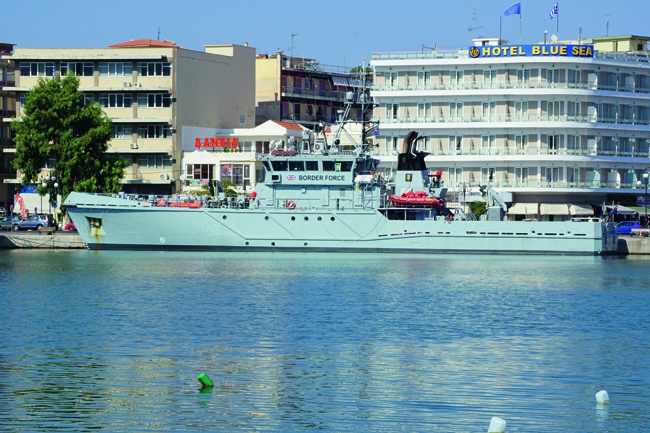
pixel 134 145
pixel 164 176
pixel 127 84
pixel 318 147
pixel 136 84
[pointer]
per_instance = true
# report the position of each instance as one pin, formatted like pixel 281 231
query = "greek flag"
pixel 373 131
pixel 553 11
pixel 513 10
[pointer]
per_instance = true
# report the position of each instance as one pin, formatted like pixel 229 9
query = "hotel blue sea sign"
pixel 540 50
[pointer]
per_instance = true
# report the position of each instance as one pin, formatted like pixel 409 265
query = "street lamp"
pixel 645 177
pixel 645 197
pixel 49 185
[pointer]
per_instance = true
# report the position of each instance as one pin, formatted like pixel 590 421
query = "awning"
pixel 621 210
pixel 523 209
pixel 581 209
pixel 554 209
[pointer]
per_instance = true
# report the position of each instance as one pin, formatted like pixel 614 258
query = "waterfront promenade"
pixel 627 245
pixel 35 240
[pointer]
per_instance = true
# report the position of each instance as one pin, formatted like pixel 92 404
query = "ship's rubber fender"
pixel 450 217
pixel 162 202
pixel 291 205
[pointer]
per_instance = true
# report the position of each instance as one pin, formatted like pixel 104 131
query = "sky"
pixel 334 32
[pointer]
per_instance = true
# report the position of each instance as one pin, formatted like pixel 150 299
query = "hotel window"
pixel 489 110
pixel 154 131
pixel 456 111
pixel 424 111
pixel 391 79
pixel 521 176
pixel 122 131
pixel 37 69
pixel 115 100
pixel 392 111
pixel 456 144
pixel 574 77
pixel 115 69
pixel 424 79
pixel 489 78
pixel 574 145
pixel 488 143
pixel 521 142
pixel 553 143
pixel 391 143
pixel 456 78
pixel 574 110
pixel 523 76
pixel 426 145
pixel 154 100
pixel 552 175
pixel 552 76
pixel 455 176
pixel 573 174
pixel 487 175
pixel 553 110
pixel 155 69
pixel 79 69
pixel 521 110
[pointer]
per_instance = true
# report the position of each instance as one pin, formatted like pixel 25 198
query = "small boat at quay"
pixel 318 196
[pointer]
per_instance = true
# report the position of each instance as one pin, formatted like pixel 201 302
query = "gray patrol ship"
pixel 318 197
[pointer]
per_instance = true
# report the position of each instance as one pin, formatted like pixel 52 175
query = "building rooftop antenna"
pixel 474 28
pixel 292 36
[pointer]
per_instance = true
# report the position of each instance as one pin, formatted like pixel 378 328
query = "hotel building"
pixel 554 128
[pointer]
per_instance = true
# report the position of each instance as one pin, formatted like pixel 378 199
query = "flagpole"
pixel 519 25
pixel 557 17
pixel 500 25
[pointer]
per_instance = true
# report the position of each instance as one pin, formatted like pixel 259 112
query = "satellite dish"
pixel 553 38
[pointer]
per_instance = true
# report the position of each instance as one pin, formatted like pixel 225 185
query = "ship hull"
pixel 118 224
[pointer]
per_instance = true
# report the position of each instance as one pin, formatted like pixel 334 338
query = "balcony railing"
pixel 532 118
pixel 529 150
pixel 505 85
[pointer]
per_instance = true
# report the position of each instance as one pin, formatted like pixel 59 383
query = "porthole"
pixel 272 244
pixel 306 218
pixel 225 217
pixel 266 217
pixel 293 218
pixel 246 243
pixel 320 218
pixel 332 219
pixel 306 244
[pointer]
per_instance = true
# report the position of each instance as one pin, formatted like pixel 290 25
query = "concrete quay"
pixel 33 240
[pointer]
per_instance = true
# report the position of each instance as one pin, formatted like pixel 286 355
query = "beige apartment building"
pixel 162 99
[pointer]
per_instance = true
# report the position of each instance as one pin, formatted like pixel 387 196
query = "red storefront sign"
pixel 230 142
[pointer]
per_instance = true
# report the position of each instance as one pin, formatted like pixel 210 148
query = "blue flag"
pixel 553 11
pixel 513 10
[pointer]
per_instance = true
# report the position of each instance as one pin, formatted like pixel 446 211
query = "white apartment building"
pixel 160 97
pixel 551 127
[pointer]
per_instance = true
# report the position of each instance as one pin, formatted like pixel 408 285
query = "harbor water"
pixel 114 341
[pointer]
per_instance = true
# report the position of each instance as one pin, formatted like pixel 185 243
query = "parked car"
pixel 70 227
pixel 6 222
pixel 33 222
pixel 625 227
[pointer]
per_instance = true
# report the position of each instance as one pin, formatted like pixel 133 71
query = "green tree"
pixel 57 125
